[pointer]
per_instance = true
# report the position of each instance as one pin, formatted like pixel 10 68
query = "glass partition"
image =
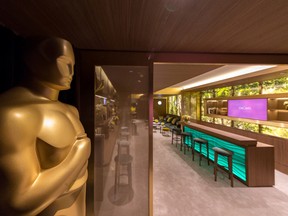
pixel 121 141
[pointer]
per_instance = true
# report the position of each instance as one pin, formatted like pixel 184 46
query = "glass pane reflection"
pixel 121 141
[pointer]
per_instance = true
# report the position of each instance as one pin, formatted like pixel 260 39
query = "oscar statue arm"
pixel 29 188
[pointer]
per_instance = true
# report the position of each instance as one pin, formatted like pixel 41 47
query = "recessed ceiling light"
pixel 227 75
pixel 139 81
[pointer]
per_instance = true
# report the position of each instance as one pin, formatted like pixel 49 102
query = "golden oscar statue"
pixel 43 146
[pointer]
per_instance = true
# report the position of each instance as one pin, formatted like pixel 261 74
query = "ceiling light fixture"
pixel 230 74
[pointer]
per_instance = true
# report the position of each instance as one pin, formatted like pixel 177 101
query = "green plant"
pixel 186 118
pixel 223 92
pixel 247 89
pixel 286 105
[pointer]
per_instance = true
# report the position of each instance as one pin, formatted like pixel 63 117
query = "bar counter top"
pixel 253 162
pixel 231 137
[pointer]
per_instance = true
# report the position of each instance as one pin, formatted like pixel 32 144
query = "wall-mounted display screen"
pixel 248 108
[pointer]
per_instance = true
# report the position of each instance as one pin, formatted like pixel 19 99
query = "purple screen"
pixel 248 108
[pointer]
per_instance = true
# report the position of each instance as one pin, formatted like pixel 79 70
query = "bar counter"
pixel 253 162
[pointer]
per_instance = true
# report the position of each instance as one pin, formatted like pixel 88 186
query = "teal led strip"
pixel 239 165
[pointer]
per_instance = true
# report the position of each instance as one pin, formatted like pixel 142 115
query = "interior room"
pixel 184 102
pixel 224 104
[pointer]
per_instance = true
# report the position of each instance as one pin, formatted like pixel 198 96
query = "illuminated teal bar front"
pixel 239 157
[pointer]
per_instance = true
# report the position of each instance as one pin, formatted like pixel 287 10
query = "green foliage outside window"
pixel 274 86
pixel 207 94
pixel 202 111
pixel 193 100
pixel 227 122
pixel 223 121
pixel 223 92
pixel 178 105
pixel 275 131
pixel 171 100
pixel 247 89
pixel 186 103
pixel 218 121
pixel 174 105
pixel 206 119
pixel 246 126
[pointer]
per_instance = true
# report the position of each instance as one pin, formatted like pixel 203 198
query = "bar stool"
pixel 162 125
pixel 176 135
pixel 123 160
pixel 124 135
pixel 201 142
pixel 154 127
pixel 183 143
pixel 124 128
pixel 229 155
pixel 134 127
pixel 165 131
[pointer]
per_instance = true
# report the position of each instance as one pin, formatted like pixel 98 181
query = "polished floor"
pixel 126 199
pixel 183 188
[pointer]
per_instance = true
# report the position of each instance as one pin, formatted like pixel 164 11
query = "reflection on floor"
pixel 130 197
pixel 183 188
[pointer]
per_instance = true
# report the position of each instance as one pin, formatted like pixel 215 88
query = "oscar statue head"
pixel 50 61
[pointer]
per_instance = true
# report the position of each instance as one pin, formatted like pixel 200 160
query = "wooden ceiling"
pixel 135 78
pixel 192 26
pixel 169 74
pixel 238 26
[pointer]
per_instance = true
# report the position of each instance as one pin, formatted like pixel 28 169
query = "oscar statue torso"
pixel 50 127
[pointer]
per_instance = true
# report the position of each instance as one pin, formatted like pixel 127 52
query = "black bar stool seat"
pixel 201 142
pixel 229 155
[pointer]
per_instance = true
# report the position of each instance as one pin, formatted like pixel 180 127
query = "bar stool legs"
pixel 215 165
pixel 231 170
pixel 183 144
pixel 123 160
pixel 201 142
pixel 227 154
pixel 176 136
pixel 165 131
